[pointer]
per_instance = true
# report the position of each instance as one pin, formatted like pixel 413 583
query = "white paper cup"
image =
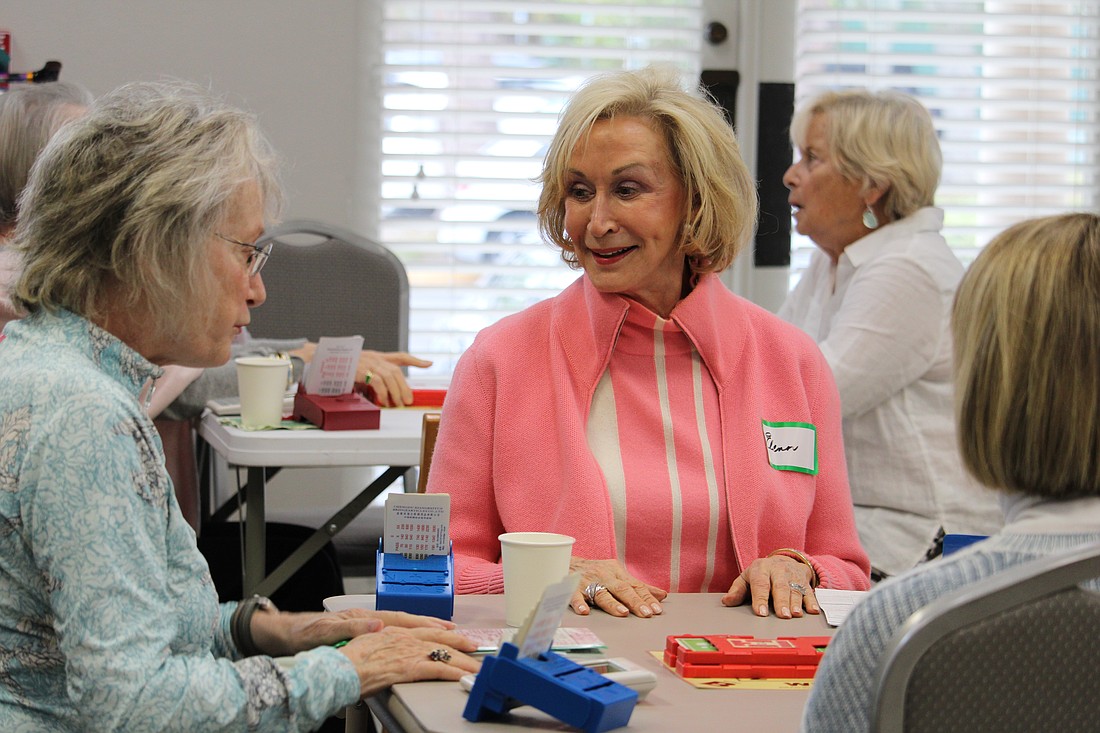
pixel 262 383
pixel 532 561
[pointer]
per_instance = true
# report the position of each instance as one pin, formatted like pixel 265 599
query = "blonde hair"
pixel 719 191
pixel 1026 326
pixel 121 202
pixel 881 139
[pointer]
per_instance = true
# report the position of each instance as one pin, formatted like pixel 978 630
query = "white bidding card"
pixel 537 633
pixel 417 525
pixel 332 369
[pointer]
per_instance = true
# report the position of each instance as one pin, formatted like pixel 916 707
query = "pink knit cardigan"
pixel 512 451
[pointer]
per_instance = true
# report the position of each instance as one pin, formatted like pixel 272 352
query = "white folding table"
pixel 396 444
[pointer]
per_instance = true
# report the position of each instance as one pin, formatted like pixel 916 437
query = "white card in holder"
pixel 417 525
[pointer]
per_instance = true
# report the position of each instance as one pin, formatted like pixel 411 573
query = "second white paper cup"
pixel 261 381
pixel 532 561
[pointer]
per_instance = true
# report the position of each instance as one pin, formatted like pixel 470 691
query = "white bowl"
pixel 343 603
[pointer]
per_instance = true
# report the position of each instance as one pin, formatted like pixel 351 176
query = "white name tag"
pixel 791 446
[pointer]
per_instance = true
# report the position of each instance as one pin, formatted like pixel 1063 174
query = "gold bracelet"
pixel 801 557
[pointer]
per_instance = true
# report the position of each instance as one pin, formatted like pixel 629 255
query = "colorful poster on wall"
pixel 5 51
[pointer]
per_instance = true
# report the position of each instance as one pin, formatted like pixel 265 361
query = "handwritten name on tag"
pixel 792 446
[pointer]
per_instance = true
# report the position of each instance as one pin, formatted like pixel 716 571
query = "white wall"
pixel 296 65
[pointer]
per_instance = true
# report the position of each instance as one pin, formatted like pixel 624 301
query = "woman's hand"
pixel 621 593
pixel 411 620
pixel 785 580
pixel 386 378
pixel 283 634
pixel 396 655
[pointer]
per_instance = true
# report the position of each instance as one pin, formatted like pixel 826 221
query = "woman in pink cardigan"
pixel 689 440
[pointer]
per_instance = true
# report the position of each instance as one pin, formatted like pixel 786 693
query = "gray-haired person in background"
pixel 29 116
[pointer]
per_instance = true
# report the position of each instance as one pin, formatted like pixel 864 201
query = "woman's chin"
pixel 213 356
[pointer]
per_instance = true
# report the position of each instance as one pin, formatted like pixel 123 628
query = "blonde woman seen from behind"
pixel 1026 326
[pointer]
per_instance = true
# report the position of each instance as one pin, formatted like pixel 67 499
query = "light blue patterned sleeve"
pixel 223 635
pixel 138 632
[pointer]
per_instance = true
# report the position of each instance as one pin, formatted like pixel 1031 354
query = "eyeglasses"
pixel 258 257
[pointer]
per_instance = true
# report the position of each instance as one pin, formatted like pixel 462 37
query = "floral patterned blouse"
pixel 108 617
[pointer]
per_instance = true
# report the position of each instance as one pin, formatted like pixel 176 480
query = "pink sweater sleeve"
pixel 462 466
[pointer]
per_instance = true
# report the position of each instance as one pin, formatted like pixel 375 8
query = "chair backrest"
pixel 428 434
pixel 1014 652
pixel 322 280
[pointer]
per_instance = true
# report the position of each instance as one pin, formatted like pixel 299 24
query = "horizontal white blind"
pixel 471 94
pixel 1013 88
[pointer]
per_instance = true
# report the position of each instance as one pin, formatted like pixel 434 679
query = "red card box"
pixel 745 657
pixel 421 397
pixel 340 412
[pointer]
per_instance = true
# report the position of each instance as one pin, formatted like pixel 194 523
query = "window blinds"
pixel 1012 87
pixel 471 93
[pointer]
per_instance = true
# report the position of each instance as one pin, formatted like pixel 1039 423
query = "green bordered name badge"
pixel 791 446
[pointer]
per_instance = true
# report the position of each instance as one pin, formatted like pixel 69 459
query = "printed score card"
pixel 417 525
pixel 331 372
pixel 566 639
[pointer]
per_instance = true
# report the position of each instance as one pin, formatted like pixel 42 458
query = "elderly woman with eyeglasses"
pixel 135 236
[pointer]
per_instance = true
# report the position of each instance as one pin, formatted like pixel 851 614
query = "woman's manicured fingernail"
pixel 657 608
pixel 644 610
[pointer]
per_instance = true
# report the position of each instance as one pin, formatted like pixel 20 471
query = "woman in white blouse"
pixel 877 299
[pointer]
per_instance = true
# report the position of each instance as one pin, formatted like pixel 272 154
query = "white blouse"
pixel 881 316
